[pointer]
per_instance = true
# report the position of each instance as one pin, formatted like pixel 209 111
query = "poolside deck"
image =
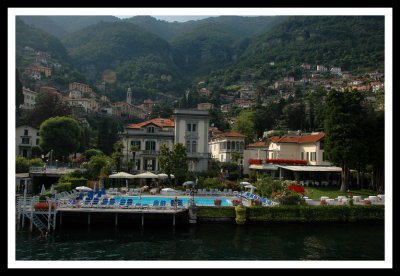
pixel 123 210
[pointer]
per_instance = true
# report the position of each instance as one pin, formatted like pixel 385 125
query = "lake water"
pixel 335 241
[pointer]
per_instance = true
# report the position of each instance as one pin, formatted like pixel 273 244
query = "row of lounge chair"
pixel 213 192
pixel 264 200
pixel 123 203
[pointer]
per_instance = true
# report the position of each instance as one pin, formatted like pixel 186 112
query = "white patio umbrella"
pixel 162 175
pixel 251 187
pixel 43 191
pixel 188 183
pixel 122 175
pixel 146 175
pixel 83 189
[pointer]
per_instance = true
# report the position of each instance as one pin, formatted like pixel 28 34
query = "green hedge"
pixel 216 212
pixel 323 213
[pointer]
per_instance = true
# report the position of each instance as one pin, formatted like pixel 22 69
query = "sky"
pixel 172 18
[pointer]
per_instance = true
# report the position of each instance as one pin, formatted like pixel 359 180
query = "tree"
pixel 165 161
pixel 36 151
pixel 117 154
pixel 244 124
pixel 19 96
pixel 107 135
pixel 180 162
pixel 92 152
pixel 99 164
pixel 48 105
pixel 345 141
pixel 60 134
pixel 174 161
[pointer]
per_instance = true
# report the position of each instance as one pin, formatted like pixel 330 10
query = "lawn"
pixel 333 192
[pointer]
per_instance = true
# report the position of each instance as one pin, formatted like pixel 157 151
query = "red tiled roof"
pixel 259 144
pixel 160 122
pixel 298 139
pixel 230 134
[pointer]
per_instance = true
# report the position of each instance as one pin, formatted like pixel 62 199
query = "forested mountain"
pixel 350 42
pixel 37 39
pixel 29 41
pixel 238 25
pixel 46 24
pixel 139 59
pixel 60 26
pixel 76 23
pixel 154 56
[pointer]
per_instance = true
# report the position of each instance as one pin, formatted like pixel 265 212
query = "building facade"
pixel 26 137
pixel 224 145
pixel 191 129
pixel 299 147
pixel 29 98
pixel 146 139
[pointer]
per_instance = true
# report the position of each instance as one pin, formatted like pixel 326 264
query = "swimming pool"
pixel 201 201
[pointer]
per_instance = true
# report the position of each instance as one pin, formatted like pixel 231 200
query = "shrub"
pixel 211 183
pixel 65 186
pixel 36 162
pixel 22 164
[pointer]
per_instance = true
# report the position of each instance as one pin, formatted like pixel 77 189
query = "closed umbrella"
pixel 43 191
pixel 52 191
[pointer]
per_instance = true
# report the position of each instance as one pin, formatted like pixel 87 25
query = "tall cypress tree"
pixel 345 143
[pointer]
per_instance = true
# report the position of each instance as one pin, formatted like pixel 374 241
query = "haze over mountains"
pixel 154 56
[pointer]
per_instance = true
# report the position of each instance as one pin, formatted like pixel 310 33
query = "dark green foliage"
pixel 346 131
pixel 61 134
pixel 340 41
pixel 98 164
pixel 22 164
pixel 47 105
pixel 18 90
pixel 107 135
pixel 75 23
pixel 92 152
pixel 216 212
pixel 106 45
pixel 326 213
pixel 46 24
pixel 64 186
pixel 237 25
pixel 244 124
pixel 40 41
pixel 71 182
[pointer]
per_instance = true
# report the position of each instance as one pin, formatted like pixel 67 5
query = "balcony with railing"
pixel 200 155
pixel 148 152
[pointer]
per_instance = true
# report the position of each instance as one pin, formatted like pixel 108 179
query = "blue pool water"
pixel 201 201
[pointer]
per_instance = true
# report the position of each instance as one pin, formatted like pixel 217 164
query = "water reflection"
pixel 208 242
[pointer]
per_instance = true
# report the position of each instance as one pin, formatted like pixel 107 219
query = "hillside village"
pixel 270 126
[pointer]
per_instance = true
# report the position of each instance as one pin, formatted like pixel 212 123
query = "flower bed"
pixel 217 202
pixel 43 206
pixel 236 202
